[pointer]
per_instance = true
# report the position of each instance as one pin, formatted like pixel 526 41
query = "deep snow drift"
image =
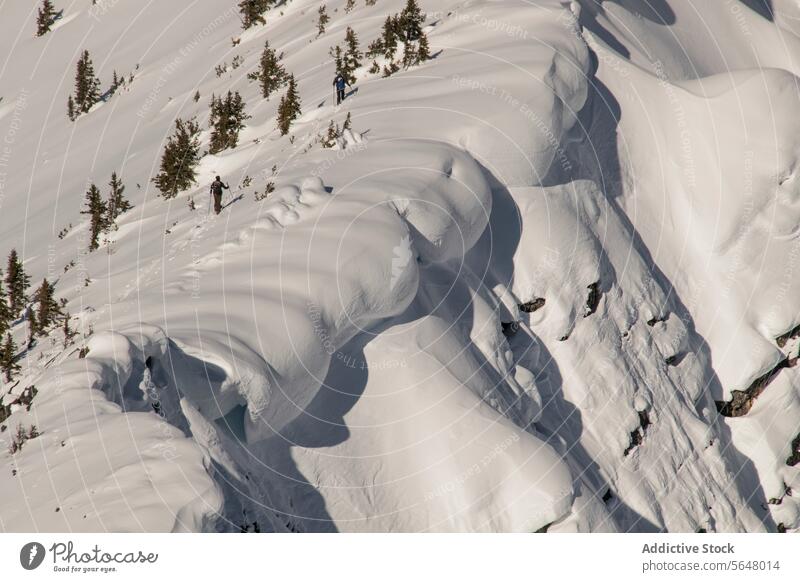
pixel 547 283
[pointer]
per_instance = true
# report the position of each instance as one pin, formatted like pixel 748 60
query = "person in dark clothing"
pixel 339 82
pixel 216 191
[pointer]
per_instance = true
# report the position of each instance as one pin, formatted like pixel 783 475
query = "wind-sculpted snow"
pixel 546 282
pixel 316 268
pixel 105 471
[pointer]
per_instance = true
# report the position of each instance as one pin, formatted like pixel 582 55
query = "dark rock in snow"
pixel 742 400
pixel 532 305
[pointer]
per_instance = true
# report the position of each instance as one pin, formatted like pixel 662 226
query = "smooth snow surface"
pixel 509 299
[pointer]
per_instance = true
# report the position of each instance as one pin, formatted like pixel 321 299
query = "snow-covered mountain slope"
pixel 548 283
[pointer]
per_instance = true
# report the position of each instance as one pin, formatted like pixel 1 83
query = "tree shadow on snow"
pixel 658 11
pixel 234 200
pixel 761 7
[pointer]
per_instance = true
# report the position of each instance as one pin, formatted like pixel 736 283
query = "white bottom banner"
pixel 416 557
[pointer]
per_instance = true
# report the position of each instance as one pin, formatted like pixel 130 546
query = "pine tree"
pixel 331 136
pixel 375 48
pixel 180 159
pixel 45 18
pixel 349 6
pixel 17 283
pixel 226 121
pixel 322 20
pixel 338 60
pixel 409 54
pixel 423 50
pixel 87 86
pixel 389 38
pixel 289 107
pixel 115 83
pixel 33 326
pixel 8 357
pixel 98 214
pixel 252 12
pixel 348 124
pixel 411 21
pixel 5 312
pixel 68 333
pixel 47 308
pixel 352 55
pixel 71 112
pixel 272 74
pixel 117 204
pixel 390 69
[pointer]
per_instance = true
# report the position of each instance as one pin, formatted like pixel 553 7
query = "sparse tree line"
pixel 41 310
pixel 87 87
pixel 103 213
pixel 406 28
pixel 227 114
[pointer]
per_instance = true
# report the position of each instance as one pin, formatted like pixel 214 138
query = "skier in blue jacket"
pixel 339 82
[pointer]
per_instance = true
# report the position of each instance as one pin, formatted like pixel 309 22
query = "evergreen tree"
pixel 338 60
pixel 98 214
pixel 423 50
pixel 352 56
pixel 349 6
pixel 87 86
pixel 117 204
pixel 322 20
pixel 375 48
pixel 71 112
pixel 47 308
pixel 17 283
pixel 180 159
pixel 331 136
pixel 45 18
pixel 5 312
pixel 390 69
pixel 272 74
pixel 411 21
pixel 252 12
pixel 8 356
pixel 389 38
pixel 33 326
pixel 68 333
pixel 115 82
pixel 289 107
pixel 409 54
pixel 347 123
pixel 226 121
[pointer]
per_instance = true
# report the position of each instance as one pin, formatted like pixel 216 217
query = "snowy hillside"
pixel 547 281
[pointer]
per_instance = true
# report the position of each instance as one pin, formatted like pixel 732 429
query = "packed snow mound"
pixel 544 281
